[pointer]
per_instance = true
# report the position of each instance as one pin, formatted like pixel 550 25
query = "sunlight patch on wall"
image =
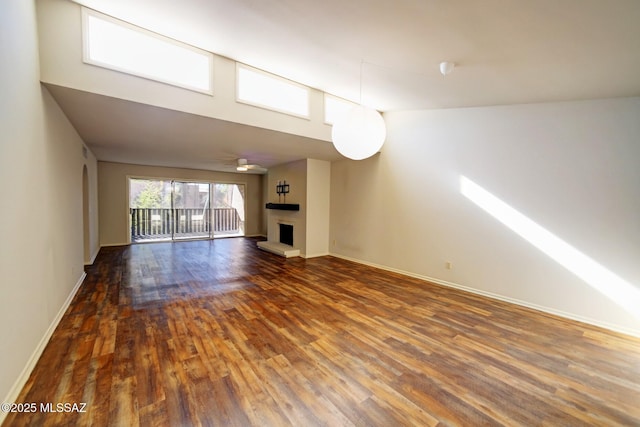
pixel 603 280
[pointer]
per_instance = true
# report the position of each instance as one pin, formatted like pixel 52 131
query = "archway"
pixel 86 229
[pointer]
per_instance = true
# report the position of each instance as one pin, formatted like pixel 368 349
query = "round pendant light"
pixel 360 133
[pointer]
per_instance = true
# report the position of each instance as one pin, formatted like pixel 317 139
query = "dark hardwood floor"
pixel 220 333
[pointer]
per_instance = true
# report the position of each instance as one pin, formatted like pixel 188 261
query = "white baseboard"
pixel 93 256
pixel 570 316
pixel 31 363
pixel 314 255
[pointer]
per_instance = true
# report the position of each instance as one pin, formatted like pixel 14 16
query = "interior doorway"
pixel 86 226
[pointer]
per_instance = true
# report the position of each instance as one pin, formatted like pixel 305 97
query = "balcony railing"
pixel 167 223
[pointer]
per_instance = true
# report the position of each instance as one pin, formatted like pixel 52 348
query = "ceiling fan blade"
pixel 243 165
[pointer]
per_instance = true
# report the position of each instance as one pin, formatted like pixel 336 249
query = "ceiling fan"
pixel 244 166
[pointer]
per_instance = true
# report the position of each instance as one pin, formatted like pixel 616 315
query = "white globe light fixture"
pixel 360 133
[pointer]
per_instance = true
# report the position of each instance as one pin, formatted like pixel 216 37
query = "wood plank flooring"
pixel 209 333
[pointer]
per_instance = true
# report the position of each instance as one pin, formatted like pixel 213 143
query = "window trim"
pixel 86 13
pixel 240 66
pixel 324 106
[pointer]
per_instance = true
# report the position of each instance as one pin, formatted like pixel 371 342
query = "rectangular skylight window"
pixel 119 46
pixel 335 108
pixel 265 90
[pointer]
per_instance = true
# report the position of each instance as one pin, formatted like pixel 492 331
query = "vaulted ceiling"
pixel 387 52
pixel 506 52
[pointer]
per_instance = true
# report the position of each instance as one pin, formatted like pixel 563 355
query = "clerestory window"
pixel 335 108
pixel 117 45
pixel 272 92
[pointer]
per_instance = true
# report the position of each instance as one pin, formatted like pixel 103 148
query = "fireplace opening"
pixel 286 234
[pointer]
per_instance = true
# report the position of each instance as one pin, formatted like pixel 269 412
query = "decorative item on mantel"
pixel 284 247
pixel 282 188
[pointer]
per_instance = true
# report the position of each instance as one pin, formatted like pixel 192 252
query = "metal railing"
pixel 147 223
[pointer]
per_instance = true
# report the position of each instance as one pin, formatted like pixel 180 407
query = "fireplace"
pixel 280 238
pixel 286 234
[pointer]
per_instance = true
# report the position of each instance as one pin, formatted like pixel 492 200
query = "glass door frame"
pixel 186 221
pixel 211 183
pixel 129 208
pixel 244 203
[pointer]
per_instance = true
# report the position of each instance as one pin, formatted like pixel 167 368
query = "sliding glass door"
pixel 178 210
pixel 151 216
pixel 228 210
pixel 191 210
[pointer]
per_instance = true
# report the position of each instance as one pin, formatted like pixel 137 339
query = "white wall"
pixel 60 25
pixel 94 223
pixel 309 182
pixel 317 203
pixel 570 167
pixel 41 163
pixel 295 174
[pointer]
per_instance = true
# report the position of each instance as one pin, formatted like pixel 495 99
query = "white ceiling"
pixel 128 132
pixel 506 51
